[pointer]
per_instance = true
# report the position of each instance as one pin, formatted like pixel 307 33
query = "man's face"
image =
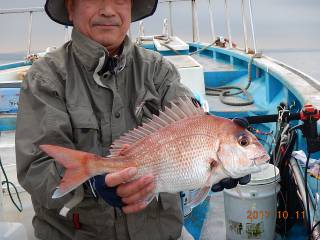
pixel 104 21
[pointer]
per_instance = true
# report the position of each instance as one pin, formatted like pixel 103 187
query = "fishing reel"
pixel 309 115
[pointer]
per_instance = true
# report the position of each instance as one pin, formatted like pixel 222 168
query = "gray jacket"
pixel 68 99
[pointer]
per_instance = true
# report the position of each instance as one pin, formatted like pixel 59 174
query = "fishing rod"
pixel 309 116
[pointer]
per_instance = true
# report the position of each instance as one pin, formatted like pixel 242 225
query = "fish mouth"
pixel 258 164
pixel 261 160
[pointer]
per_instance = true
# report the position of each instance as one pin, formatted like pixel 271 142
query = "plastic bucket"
pixel 251 211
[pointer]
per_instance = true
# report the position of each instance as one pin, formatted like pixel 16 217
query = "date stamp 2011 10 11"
pixel 265 214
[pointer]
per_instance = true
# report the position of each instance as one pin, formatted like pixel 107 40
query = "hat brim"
pixel 57 10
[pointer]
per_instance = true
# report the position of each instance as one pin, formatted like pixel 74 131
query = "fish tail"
pixel 80 166
pixel 72 179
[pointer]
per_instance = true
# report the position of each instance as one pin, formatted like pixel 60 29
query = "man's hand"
pixel 132 194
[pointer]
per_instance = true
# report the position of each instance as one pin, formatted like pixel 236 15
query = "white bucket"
pixel 251 212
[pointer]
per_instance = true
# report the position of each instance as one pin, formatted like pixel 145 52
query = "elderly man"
pixel 83 96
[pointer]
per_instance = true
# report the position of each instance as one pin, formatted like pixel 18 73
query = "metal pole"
pixel 252 28
pixel 193 21
pixel 170 18
pixel 303 192
pixel 196 21
pixel 228 23
pixel 244 26
pixel 21 10
pixel 165 29
pixel 212 21
pixel 29 33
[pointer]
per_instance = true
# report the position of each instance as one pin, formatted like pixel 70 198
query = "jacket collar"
pixel 91 53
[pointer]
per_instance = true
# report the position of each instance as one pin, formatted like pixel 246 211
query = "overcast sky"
pixel 279 24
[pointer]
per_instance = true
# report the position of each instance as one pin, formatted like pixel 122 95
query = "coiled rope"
pixel 225 92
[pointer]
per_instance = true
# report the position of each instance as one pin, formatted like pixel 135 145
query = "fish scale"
pixel 183 155
pixel 183 147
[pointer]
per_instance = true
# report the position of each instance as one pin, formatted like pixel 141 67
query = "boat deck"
pixel 213 226
pixel 216 73
pixel 212 65
pixel 216 106
pixel 11 214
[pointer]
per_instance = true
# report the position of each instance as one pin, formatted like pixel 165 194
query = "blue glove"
pixel 229 183
pixel 108 194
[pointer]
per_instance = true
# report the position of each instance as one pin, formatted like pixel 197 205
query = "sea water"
pixel 305 60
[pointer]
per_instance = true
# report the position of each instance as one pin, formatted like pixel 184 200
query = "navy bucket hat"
pixel 57 10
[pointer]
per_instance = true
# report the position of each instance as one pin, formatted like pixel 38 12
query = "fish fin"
pixel 80 166
pixel 149 128
pixel 171 114
pixel 166 117
pixel 74 162
pixel 180 109
pixel 123 149
pixel 185 107
pixel 128 139
pixel 69 158
pixel 196 110
pixel 199 197
pixel 118 151
pixel 160 121
pixel 57 193
pixel 150 197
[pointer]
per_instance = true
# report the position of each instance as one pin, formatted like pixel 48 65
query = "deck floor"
pixel 213 228
pixel 214 224
pixel 212 65
pixel 11 214
pixel 7 147
pixel 217 106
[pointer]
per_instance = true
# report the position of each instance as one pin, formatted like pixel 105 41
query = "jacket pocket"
pixel 171 217
pixel 86 134
pixel 82 117
pixel 170 201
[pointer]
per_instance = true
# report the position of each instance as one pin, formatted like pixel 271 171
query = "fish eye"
pixel 243 140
